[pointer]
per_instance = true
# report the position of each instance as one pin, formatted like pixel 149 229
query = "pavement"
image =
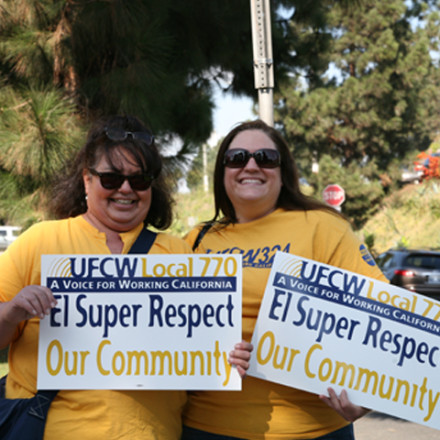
pixel 379 426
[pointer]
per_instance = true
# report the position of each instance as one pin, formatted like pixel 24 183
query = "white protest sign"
pixel 140 322
pixel 320 326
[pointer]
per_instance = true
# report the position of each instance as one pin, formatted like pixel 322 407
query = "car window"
pixel 384 261
pixel 423 261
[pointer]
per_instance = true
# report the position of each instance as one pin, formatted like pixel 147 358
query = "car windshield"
pixel 423 260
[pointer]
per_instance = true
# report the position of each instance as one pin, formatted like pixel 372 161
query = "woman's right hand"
pixel 31 301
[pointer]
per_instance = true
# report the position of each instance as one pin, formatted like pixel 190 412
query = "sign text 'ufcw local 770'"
pixel 140 322
pixel 320 326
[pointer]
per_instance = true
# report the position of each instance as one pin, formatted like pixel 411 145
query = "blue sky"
pixel 230 111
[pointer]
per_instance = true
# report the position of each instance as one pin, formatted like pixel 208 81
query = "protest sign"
pixel 140 322
pixel 320 326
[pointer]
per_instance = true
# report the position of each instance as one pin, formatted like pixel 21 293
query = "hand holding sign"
pixel 31 301
pixel 342 405
pixel 241 356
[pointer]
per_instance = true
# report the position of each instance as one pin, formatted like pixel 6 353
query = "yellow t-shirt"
pixel 262 409
pixel 75 414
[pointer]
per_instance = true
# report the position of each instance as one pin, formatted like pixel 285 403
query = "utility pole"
pixel 263 61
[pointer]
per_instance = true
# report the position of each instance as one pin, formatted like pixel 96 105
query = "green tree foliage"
pixel 63 63
pixel 159 58
pixel 376 96
pixel 39 122
pixel 39 132
pixel 382 101
pixel 153 58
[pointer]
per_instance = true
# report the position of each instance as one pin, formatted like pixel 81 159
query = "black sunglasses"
pixel 239 157
pixel 119 135
pixel 138 182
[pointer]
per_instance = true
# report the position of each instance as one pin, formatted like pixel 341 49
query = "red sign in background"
pixel 334 195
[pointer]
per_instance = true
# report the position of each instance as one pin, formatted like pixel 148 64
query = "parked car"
pixel 414 269
pixel 411 176
pixel 7 235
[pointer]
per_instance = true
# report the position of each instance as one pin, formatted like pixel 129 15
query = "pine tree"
pixel 382 98
pixel 63 63
pixel 39 123
pixel 374 100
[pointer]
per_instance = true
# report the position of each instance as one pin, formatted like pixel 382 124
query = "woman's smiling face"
pixel 120 209
pixel 253 191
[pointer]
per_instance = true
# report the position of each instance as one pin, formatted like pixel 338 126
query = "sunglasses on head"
pixel 119 135
pixel 109 180
pixel 239 157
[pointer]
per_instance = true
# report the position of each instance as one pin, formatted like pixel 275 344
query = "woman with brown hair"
pixel 259 210
pixel 113 191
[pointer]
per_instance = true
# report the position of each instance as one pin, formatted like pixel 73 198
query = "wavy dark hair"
pixel 291 198
pixel 68 195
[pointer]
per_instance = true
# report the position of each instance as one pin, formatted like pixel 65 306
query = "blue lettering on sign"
pixel 334 278
pixel 405 347
pixel 190 316
pixel 141 284
pixel 353 301
pixel 83 267
pixel 105 316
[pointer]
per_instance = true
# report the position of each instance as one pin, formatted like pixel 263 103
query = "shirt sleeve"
pixel 351 254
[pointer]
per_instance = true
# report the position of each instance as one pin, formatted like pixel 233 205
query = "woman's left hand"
pixel 342 405
pixel 240 356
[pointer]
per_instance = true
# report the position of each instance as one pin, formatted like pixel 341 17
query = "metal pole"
pixel 263 62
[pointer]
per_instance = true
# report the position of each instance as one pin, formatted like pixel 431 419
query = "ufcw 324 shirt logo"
pixel 261 258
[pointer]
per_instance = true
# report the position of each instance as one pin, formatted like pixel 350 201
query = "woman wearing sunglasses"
pixel 259 209
pixel 113 189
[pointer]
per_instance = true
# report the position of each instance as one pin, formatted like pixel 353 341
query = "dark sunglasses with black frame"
pixel 119 135
pixel 239 157
pixel 110 180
